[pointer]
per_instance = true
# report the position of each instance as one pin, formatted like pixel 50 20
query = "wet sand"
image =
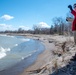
pixel 44 57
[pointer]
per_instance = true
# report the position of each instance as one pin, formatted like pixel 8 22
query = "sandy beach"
pixel 48 61
pixel 43 58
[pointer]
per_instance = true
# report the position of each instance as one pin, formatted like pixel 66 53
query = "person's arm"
pixel 70 7
pixel 72 11
pixel 69 19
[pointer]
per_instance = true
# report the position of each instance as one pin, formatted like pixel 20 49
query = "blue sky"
pixel 25 13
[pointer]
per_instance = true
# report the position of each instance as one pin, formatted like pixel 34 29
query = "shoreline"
pixel 49 60
pixel 11 69
pixel 20 66
pixel 46 54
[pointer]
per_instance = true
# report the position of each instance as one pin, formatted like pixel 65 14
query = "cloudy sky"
pixel 24 14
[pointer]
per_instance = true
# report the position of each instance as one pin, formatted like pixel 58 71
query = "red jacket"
pixel 74 21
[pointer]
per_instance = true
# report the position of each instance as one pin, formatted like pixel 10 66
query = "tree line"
pixel 60 26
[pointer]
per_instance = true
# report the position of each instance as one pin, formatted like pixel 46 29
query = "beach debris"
pixel 58 51
pixel 63 53
pixel 60 48
pixel 63 46
pixel 50 41
pixel 40 70
pixel 73 58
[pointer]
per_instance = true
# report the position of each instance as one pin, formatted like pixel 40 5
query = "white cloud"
pixel 5 27
pixel 24 27
pixel 7 17
pixel 43 25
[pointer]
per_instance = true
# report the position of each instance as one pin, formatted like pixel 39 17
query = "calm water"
pixel 13 49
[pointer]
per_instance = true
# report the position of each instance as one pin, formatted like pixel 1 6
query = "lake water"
pixel 14 49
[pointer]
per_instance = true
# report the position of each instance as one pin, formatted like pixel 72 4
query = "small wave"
pixel 7 49
pixel 30 54
pixel 26 56
pixel 34 51
pixel 10 36
pixel 25 39
pixel 22 58
pixel 16 44
pixel 2 49
pixel 3 52
pixel 3 35
pixel 6 35
pixel 2 55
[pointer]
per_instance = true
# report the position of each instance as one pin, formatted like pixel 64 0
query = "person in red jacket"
pixel 73 11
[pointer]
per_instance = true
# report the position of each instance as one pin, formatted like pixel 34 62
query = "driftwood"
pixel 40 70
pixel 60 48
pixel 63 46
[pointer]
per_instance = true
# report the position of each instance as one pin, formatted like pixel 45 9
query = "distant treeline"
pixel 60 26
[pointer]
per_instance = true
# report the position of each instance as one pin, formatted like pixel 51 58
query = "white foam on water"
pixel 22 58
pixel 2 55
pixel 3 35
pixel 25 39
pixel 3 52
pixel 6 35
pixel 10 36
pixel 27 56
pixel 7 49
pixel 30 54
pixel 16 44
pixel 34 51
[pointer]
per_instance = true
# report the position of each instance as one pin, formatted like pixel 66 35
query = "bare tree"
pixel 36 29
pixel 39 30
pixel 20 30
pixel 59 24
